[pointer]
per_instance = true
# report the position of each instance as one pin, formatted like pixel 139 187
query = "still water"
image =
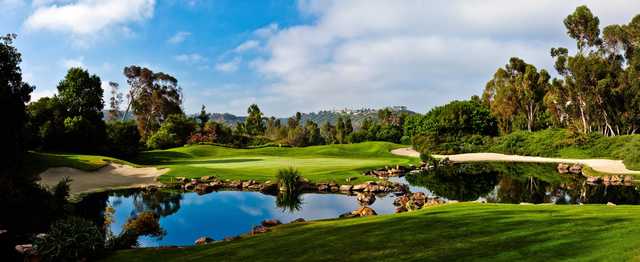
pixel 186 216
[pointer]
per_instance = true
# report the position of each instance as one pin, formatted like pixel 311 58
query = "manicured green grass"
pixel 454 232
pixel 317 163
pixel 38 161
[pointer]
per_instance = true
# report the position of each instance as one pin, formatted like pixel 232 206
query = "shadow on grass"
pixel 160 157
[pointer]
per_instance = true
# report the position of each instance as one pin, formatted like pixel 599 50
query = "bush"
pixel 123 139
pixel 70 239
pixel 162 139
pixel 288 178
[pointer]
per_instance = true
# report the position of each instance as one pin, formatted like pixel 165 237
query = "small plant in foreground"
pixel 70 239
pixel 288 179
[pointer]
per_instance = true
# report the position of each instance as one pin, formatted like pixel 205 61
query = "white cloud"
pixel 87 17
pixel 193 58
pixel 230 66
pixel 247 45
pixel 417 53
pixel 73 62
pixel 179 37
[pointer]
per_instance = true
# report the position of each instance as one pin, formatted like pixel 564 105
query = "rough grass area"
pixel 561 143
pixel 465 231
pixel 38 162
pixel 317 163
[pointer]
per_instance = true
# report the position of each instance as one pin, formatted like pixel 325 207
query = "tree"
pixel 14 94
pixel 328 133
pixel 81 95
pixel 153 97
pixel 175 131
pixel 114 102
pixel 253 122
pixel 348 126
pixel 583 27
pixel 203 117
pixel 340 131
pixel 516 88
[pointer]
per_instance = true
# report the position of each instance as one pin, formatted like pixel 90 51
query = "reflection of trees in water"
pixel 515 190
pixel 160 202
pixel 457 182
pixel 290 201
pixel 517 182
pixel 615 194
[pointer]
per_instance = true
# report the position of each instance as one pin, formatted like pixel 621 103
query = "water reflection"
pixel 517 183
pixel 187 216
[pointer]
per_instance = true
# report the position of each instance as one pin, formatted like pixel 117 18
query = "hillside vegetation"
pixel 562 143
pixel 486 232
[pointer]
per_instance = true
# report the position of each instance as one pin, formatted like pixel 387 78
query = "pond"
pixel 186 216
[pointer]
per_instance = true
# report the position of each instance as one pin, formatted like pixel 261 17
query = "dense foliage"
pixel 70 239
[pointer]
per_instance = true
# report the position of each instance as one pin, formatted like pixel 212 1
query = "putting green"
pixel 318 163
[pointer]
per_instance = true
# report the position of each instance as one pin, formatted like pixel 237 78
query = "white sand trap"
pixel 600 165
pixel 108 177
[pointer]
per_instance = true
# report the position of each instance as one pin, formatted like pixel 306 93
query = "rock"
pixel 615 179
pixel 231 238
pixel 359 187
pixel 401 209
pixel 419 199
pixel 151 188
pixel 364 211
pixel 333 184
pixel 365 198
pixel 25 249
pixel 205 178
pixel 605 179
pixel 401 201
pixel 610 204
pixel 259 230
pixel 593 179
pixel 334 189
pixel 270 223
pixel 563 168
pixel 235 184
pixel 203 189
pixel 346 188
pixel 298 220
pixel 247 184
pixel 575 169
pixel 323 187
pixel 203 241
pixel 628 179
pixel 189 187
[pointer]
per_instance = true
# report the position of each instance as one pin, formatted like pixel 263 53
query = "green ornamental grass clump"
pixel 288 178
pixel 70 239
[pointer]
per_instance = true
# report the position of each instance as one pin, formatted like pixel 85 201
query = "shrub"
pixel 288 178
pixel 162 140
pixel 70 239
pixel 123 139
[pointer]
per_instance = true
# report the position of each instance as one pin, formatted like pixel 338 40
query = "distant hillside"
pixel 356 115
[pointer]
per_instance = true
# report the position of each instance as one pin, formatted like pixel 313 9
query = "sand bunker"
pixel 108 177
pixel 599 165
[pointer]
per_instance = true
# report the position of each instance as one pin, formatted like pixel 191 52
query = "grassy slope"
pixel 446 233
pixel 37 162
pixel 558 143
pixel 317 163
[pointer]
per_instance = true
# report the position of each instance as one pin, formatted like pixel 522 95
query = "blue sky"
pixel 290 56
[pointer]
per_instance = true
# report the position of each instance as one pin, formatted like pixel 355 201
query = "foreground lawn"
pixel 465 231
pixel 317 163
